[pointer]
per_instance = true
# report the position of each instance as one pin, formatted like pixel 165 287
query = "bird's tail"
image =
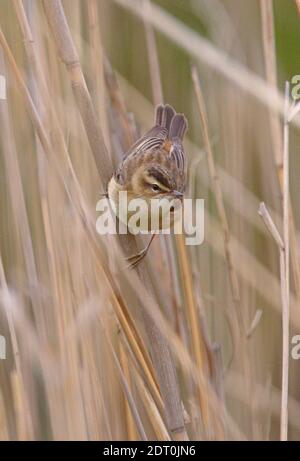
pixel 176 124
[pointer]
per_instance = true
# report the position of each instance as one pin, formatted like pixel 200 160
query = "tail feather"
pixel 178 126
pixel 159 115
pixel 168 114
pixel 166 117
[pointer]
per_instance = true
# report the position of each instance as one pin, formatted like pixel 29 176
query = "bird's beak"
pixel 178 194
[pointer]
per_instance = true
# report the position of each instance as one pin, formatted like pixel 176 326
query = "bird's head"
pixel 154 181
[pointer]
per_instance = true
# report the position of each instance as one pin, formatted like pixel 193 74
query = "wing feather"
pixel 152 140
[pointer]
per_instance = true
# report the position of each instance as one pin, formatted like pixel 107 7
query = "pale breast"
pixel 141 213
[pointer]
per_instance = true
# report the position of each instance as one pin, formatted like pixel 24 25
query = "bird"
pixel 154 167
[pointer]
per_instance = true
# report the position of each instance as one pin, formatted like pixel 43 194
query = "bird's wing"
pixel 152 140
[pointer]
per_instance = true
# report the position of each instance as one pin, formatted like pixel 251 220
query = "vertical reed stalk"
pixel 268 34
pixel 97 56
pixel 286 298
pixel 284 283
pixel 270 225
pixel 152 54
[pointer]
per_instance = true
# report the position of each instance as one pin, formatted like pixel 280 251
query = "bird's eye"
pixel 155 187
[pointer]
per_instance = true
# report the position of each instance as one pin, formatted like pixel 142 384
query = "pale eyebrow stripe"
pixel 153 180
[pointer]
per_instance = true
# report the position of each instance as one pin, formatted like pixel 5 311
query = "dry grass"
pixel 189 345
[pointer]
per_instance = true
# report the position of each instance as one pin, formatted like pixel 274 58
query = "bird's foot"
pixel 134 260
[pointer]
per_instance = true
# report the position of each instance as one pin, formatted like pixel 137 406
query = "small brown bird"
pixel 153 168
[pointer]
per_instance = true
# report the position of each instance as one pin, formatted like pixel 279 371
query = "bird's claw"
pixel 134 260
